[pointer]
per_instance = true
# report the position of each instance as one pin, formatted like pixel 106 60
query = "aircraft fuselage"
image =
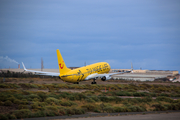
pixel 82 73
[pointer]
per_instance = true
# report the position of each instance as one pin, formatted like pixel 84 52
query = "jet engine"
pixel 104 78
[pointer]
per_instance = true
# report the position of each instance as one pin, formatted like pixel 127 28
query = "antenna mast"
pixel 42 66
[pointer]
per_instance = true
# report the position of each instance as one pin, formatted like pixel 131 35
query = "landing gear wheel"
pixel 93 81
pixel 76 83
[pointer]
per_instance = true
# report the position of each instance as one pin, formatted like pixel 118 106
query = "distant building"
pixel 147 71
pixel 145 75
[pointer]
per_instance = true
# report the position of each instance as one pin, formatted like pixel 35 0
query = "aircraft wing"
pixel 40 72
pixel 103 77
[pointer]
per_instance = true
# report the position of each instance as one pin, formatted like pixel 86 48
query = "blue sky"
pixel 144 32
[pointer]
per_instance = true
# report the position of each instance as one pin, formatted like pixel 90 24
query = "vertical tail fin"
pixel 62 66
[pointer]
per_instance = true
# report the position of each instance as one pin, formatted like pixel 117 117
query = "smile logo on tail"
pixel 61 66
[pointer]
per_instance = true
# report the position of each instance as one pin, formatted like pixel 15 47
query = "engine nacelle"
pixel 104 78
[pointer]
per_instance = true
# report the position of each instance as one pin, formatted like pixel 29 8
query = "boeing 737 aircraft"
pixel 89 72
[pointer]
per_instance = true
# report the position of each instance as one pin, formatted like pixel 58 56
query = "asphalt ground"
pixel 153 115
pixel 124 76
pixel 169 116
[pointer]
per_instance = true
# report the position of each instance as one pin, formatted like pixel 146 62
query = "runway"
pixel 162 116
pixel 153 115
pixel 125 76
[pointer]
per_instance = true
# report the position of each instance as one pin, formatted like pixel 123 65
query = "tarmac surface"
pixel 124 76
pixel 153 115
pixel 169 116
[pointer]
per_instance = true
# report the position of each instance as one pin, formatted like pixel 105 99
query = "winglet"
pixel 24 66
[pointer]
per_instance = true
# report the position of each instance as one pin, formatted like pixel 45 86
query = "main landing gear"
pixel 93 81
pixel 76 83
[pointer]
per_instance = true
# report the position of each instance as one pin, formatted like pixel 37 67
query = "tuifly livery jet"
pixel 89 72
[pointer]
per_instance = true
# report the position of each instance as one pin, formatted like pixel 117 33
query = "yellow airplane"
pixel 88 72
